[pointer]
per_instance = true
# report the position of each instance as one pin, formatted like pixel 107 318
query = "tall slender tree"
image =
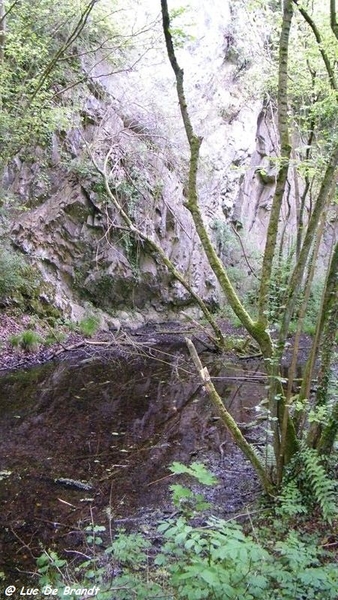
pixel 285 441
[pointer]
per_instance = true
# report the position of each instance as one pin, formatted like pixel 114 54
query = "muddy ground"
pixel 111 416
pixel 15 358
pixel 112 412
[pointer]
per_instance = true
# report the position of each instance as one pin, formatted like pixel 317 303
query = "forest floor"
pixel 64 340
pixel 15 356
pixel 113 424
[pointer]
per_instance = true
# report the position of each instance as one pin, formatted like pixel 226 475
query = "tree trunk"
pixel 334 24
pixel 2 30
pixel 285 151
pixel 258 330
pixel 227 419
pixel 320 436
pixel 324 195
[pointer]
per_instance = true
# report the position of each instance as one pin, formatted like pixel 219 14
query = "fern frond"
pixel 321 485
pixel 266 455
pixel 291 502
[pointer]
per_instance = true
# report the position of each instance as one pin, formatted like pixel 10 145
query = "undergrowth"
pixel 194 555
pixel 18 280
pixel 28 340
pixel 89 325
pixel 308 487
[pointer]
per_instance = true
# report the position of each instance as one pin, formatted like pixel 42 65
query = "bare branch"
pixel 71 39
pixel 228 420
pixel 3 13
pixel 156 249
pixel 318 37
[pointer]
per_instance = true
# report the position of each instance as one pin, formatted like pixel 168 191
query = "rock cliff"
pixel 71 230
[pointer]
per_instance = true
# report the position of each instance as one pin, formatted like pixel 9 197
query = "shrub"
pixel 54 337
pixel 89 325
pixel 27 340
pixel 13 271
pixel 203 559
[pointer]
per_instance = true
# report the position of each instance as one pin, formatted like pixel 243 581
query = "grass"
pixel 54 337
pixel 28 340
pixel 89 325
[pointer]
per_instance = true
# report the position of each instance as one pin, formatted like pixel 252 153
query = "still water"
pixel 92 436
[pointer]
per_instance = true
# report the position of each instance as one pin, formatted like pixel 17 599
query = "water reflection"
pixel 112 422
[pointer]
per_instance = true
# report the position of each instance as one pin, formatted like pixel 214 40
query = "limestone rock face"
pixel 80 242
pixel 72 230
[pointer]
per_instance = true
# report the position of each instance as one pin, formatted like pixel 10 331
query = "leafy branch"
pixel 61 51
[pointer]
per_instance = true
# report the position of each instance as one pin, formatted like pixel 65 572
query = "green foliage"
pixel 129 194
pixel 49 568
pixel 129 550
pixel 16 277
pixel 186 500
pixel 218 560
pixel 300 570
pixel 22 287
pixel 278 296
pixel 54 337
pixel 131 248
pixel 319 414
pixel 213 561
pixel 313 307
pixel 278 286
pixel 224 237
pixel 322 487
pixel 43 45
pixel 89 325
pixel 308 487
pixel 291 502
pixel 27 340
pixel 30 45
pixel 196 470
pixel 92 531
pixel 312 97
pixel 180 31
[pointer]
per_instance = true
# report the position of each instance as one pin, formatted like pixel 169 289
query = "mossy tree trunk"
pixel 229 421
pixel 296 278
pixel 285 152
pixel 258 332
pixel 321 436
pixel 257 329
pixel 2 30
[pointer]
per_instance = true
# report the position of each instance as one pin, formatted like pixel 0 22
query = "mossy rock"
pixel 265 177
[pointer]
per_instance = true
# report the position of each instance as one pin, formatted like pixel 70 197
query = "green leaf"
pixel 210 576
pixel 197 470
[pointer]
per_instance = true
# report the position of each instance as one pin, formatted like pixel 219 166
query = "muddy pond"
pixel 92 434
